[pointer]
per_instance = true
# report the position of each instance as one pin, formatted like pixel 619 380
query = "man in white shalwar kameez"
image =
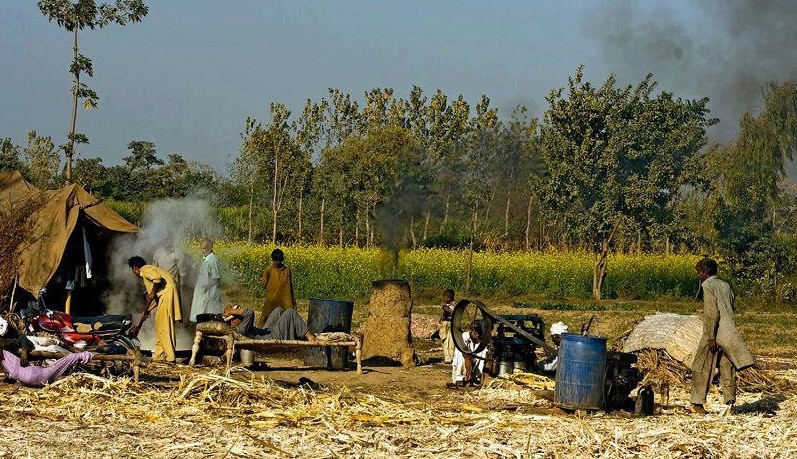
pixel 207 292
pixel 469 368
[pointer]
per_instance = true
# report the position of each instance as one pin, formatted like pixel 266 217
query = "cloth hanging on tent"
pixel 86 253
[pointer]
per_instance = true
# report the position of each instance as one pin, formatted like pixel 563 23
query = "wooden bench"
pixel 134 357
pixel 233 339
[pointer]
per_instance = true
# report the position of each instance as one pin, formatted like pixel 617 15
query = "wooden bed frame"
pixel 234 339
pixel 134 357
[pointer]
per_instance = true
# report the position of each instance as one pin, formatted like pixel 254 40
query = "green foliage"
pixel 130 211
pixel 41 160
pixel 617 156
pixel 9 156
pixel 746 177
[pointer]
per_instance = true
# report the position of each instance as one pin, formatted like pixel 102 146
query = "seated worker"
pixel 469 368
pixel 32 375
pixel 552 362
pixel 280 324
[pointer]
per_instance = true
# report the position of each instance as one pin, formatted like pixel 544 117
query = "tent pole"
pixel 13 292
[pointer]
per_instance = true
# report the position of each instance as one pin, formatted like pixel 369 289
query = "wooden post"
pixel 195 348
pixel 68 304
pixel 358 356
pixel 230 339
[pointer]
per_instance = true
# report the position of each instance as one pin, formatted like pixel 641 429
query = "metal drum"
pixel 581 372
pixel 328 316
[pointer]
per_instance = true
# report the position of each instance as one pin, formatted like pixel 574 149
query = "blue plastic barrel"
pixel 581 372
pixel 328 316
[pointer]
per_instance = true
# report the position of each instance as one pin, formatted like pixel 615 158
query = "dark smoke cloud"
pixel 724 49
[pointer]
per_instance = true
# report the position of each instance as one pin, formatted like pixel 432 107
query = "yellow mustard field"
pixel 334 272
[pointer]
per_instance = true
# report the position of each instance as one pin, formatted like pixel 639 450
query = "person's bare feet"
pixel 697 409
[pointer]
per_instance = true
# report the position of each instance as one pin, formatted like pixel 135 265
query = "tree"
pixel 9 156
pixel 91 174
pixel 41 160
pixel 617 156
pixel 746 178
pixel 76 16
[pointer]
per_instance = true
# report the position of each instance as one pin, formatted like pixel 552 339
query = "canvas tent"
pixel 70 219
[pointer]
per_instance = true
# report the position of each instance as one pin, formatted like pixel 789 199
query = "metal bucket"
pixel 328 316
pixel 507 365
pixel 581 372
pixel 247 357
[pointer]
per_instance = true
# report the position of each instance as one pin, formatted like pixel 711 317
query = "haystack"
pixel 665 345
pixel 676 334
pixel 387 329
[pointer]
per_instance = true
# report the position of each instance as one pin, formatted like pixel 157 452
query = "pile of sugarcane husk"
pixel 665 345
pixel 192 413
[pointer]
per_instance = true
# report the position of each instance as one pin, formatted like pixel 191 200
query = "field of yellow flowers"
pixel 333 272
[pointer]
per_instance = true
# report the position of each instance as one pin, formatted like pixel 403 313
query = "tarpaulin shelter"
pixel 70 224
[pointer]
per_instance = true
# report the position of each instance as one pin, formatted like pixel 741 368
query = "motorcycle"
pixel 80 332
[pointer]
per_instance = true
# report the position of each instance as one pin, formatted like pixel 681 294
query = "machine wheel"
pixel 469 315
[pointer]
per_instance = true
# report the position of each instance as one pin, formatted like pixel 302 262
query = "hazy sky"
pixel 188 76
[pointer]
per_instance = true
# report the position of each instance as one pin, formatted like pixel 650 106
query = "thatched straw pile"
pixel 191 413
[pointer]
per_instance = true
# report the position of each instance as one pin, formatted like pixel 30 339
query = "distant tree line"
pixel 608 168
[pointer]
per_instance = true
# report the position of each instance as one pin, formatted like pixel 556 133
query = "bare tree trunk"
pixel 639 241
pixel 506 211
pixel 541 240
pixel 667 247
pixel 412 233
pixel 599 264
pixel 598 273
pixel 367 226
pixel 426 224
pixel 340 235
pixel 321 232
pixel 357 227
pixel 251 206
pixel 528 223
pixel 489 204
pixel 469 272
pixel 274 202
pixel 299 232
pixel 70 150
pixel 445 214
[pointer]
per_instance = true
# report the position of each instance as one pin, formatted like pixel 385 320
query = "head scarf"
pixel 558 328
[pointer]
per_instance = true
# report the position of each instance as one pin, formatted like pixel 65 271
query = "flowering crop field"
pixel 347 273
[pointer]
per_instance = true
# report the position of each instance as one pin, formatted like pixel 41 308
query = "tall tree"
pixel 615 156
pixel 78 15
pixel 747 177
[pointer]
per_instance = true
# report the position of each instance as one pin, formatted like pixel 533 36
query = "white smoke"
pixel 170 222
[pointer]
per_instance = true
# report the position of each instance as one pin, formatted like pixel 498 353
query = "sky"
pixel 188 76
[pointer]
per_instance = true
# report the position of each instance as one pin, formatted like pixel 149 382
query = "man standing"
pixel 720 344
pixel 277 281
pixel 207 292
pixel 161 294
pixel 167 257
pixel 445 326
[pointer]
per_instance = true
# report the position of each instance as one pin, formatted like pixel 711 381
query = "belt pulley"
pixel 473 315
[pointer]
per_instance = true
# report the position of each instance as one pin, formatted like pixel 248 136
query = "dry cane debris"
pixel 183 412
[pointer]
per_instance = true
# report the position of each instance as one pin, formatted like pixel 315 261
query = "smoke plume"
pixel 171 222
pixel 727 50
